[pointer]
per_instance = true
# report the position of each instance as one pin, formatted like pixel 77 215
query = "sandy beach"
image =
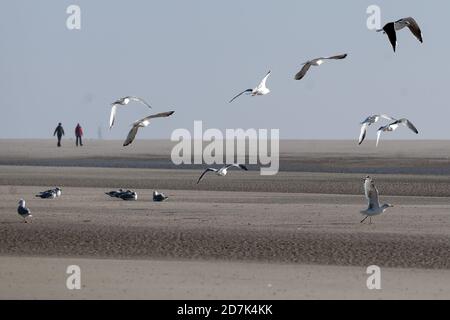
pixel 294 235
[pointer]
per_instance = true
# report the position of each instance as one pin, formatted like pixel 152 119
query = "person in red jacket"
pixel 79 135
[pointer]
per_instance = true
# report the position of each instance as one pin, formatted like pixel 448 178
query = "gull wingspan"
pixel 413 26
pixel 238 95
pixel 303 71
pixel 363 132
pixel 137 99
pixel 204 172
pixel 263 81
pixel 112 117
pixel 389 29
pixel 131 135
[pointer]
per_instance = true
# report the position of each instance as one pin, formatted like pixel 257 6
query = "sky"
pixel 194 56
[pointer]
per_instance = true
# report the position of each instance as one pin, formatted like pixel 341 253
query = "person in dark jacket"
pixel 59 132
pixel 79 134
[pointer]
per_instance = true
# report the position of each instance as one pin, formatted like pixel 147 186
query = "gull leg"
pixel 370 220
pixel 364 219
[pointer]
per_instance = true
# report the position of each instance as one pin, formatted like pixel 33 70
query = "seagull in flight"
pixel 143 123
pixel 316 62
pixel 391 29
pixel 222 171
pixel 23 211
pixel 368 122
pixel 260 90
pixel 374 207
pixel 394 125
pixel 123 102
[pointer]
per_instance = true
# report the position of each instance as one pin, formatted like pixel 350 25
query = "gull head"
pixel 21 202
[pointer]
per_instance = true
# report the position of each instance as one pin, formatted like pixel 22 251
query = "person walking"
pixel 79 135
pixel 59 132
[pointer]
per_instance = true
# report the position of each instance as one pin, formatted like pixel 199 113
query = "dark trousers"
pixel 59 140
pixel 80 141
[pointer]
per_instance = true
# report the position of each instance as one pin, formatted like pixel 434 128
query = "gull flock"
pixel 371 192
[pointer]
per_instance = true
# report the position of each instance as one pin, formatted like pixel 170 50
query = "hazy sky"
pixel 193 56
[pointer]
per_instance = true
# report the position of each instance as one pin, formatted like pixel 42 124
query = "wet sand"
pixel 296 220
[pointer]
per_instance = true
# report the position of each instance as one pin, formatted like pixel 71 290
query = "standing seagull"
pixel 260 90
pixel 374 207
pixel 368 122
pixel 23 211
pixel 316 62
pixel 222 171
pixel 394 125
pixel 391 29
pixel 123 102
pixel 143 123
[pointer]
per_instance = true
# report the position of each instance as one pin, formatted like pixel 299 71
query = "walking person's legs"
pixel 59 141
pixel 76 143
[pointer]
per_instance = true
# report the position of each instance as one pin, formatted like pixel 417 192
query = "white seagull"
pixel 260 90
pixel 368 122
pixel 143 123
pixel 222 171
pixel 123 102
pixel 316 62
pixel 391 29
pixel 394 125
pixel 374 207
pixel 23 211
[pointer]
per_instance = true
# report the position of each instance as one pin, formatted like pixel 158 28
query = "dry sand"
pixel 253 228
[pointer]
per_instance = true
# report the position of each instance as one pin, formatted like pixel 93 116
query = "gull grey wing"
pixel 137 99
pixel 204 172
pixel 372 196
pixel 389 29
pixel 112 117
pixel 241 166
pixel 410 125
pixel 303 71
pixel 238 95
pixel 131 135
pixel 414 28
pixel 340 56
pixel 363 132
pixel 157 115
pixel 387 117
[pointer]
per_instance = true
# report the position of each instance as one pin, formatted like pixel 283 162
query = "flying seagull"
pixel 260 90
pixel 391 29
pixel 368 122
pixel 222 171
pixel 374 207
pixel 394 125
pixel 123 102
pixel 143 123
pixel 316 62
pixel 23 211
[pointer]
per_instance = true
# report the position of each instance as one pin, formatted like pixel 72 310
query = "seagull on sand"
pixel 374 207
pixel 394 125
pixel 260 90
pixel 316 62
pixel 368 122
pixel 123 102
pixel 128 196
pixel 159 196
pixel 50 194
pixel 391 29
pixel 143 123
pixel 23 211
pixel 222 171
pixel 115 193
